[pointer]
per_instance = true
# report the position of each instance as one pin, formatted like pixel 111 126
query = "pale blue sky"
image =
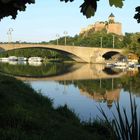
pixel 43 20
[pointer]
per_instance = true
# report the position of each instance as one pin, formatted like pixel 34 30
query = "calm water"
pixel 82 87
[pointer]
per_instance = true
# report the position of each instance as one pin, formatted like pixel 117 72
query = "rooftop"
pixel 111 15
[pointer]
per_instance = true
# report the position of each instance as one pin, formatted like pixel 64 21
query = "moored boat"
pixel 35 59
pixel 22 58
pixel 12 58
pixel 4 59
pixel 119 63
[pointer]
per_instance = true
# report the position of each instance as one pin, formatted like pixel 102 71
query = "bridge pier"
pixel 97 59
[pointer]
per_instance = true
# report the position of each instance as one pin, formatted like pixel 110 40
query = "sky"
pixel 43 20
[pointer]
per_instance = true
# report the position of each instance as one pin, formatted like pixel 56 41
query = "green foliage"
pixel 89 7
pixel 11 7
pixel 116 3
pixel 131 41
pixel 93 39
pixel 48 69
pixel 101 127
pixel 132 83
pixel 137 15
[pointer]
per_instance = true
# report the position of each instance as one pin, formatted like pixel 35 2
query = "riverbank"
pixel 27 115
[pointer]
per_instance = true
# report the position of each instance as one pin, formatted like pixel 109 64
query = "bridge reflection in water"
pixel 81 72
pixel 90 73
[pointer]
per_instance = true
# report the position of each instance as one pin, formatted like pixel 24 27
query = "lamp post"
pixel 9 33
pixel 57 36
pixel 112 83
pixel 100 83
pixel 113 41
pixel 101 42
pixel 65 33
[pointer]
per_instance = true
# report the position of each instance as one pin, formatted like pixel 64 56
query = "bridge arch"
pixel 80 54
pixel 110 54
pixel 69 54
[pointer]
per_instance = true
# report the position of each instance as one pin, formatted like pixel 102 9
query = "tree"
pixel 137 15
pixel 11 7
pixel 131 41
pixel 88 7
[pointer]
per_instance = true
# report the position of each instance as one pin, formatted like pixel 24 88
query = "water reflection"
pixel 63 71
pixel 35 63
pixel 93 85
pixel 109 97
pixel 81 86
pixel 34 70
pixel 102 90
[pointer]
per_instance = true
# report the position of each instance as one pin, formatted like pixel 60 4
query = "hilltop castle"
pixel 111 26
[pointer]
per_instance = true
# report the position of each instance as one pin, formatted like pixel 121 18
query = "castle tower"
pixel 111 18
pixel 114 27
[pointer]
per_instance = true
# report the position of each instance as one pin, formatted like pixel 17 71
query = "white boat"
pixel 22 58
pixel 119 63
pixel 138 65
pixel 4 59
pixel 12 58
pixel 109 64
pixel 35 59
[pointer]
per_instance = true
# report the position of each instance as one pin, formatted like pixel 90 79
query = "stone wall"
pixel 114 28
pixel 99 26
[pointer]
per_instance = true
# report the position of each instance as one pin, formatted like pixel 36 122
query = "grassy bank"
pixel 26 115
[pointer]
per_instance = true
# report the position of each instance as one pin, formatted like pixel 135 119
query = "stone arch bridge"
pixel 79 54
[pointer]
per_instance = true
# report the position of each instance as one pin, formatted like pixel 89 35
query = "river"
pixel 82 87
